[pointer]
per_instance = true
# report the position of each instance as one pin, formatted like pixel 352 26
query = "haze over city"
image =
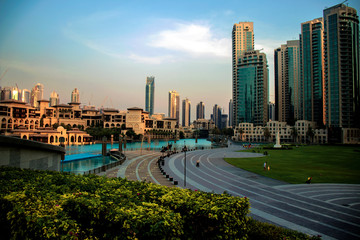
pixel 107 49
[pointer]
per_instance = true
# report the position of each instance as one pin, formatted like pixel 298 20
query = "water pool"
pixel 84 165
pixel 155 144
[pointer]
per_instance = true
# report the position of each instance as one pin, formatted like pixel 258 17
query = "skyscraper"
pixel 200 111
pixel 342 67
pixel 75 96
pixel 287 74
pixel 242 41
pixel 217 116
pixel 231 112
pixel 174 105
pixel 252 84
pixel 186 113
pixel 37 93
pixel 150 94
pixel 54 99
pixel 312 106
pixel 25 96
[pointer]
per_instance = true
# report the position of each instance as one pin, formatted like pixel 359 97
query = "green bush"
pixel 44 204
pixel 265 231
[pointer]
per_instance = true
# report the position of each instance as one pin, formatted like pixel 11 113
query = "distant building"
pixel 231 112
pixel 242 41
pixel 287 76
pixel 37 93
pixel 25 96
pixel 75 96
pixel 224 121
pixel 200 110
pixel 6 93
pixel 252 89
pixel 186 112
pixel 272 111
pixel 54 99
pixel 150 95
pixel 174 105
pixel 216 116
pixel 342 66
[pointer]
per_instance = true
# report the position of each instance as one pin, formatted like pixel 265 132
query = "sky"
pixel 106 49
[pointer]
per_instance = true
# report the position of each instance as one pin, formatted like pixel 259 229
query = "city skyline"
pixel 106 49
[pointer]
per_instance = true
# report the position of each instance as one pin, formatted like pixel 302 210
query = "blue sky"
pixel 107 48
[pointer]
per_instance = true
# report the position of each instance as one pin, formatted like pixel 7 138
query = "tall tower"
pixel 342 67
pixel 242 41
pixel 37 93
pixel 312 87
pixel 231 112
pixel 150 94
pixel 186 112
pixel 25 96
pixel 287 74
pixel 252 96
pixel 217 116
pixel 54 99
pixel 174 105
pixel 200 111
pixel 75 96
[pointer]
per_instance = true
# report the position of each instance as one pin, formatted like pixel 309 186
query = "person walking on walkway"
pixel 198 163
pixel 265 165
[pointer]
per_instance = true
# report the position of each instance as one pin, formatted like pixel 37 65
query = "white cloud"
pixel 194 39
pixel 150 60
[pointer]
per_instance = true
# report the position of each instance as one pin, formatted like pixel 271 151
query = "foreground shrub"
pixel 265 231
pixel 43 204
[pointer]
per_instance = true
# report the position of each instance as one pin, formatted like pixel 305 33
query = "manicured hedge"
pixel 43 204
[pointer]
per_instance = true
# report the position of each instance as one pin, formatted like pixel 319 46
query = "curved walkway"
pixel 329 210
pixel 316 209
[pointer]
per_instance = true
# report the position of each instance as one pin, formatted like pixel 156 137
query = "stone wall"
pixel 23 153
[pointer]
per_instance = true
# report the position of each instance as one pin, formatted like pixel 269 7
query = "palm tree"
pixel 310 133
pixel 241 132
pixel 267 134
pixel 294 134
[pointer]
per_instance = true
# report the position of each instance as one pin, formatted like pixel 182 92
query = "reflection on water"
pixel 83 165
pixel 156 144
pixel 86 164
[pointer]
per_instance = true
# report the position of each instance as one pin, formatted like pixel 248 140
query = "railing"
pixel 107 166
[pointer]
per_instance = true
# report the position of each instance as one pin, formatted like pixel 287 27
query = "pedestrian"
pixel 308 181
pixel 198 163
pixel 265 165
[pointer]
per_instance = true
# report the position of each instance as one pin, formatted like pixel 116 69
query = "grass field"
pixel 325 164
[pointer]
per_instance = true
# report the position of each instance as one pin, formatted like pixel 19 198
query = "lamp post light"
pixel 184 150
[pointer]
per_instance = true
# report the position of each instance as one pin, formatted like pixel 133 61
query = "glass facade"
pixel 149 95
pixel 252 85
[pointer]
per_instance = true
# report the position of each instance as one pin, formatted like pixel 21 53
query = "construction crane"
pixel 2 75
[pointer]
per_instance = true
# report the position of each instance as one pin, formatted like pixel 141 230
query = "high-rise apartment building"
pixel 342 66
pixel 216 116
pixel 287 74
pixel 252 89
pixel 174 105
pixel 37 93
pixel 25 96
pixel 242 41
pixel 200 111
pixel 75 96
pixel 311 100
pixel 6 93
pixel 54 99
pixel 150 94
pixel 271 111
pixel 186 113
pixel 231 112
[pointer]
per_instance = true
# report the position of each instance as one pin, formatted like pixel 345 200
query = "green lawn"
pixel 326 164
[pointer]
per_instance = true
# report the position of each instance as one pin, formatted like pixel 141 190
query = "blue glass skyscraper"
pixel 150 94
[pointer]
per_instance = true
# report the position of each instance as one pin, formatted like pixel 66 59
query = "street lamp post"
pixel 184 150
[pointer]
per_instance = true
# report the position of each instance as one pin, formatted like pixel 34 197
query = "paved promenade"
pixel 329 210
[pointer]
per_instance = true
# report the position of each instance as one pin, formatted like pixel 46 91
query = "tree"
pixel 182 135
pixel 267 134
pixel 294 134
pixel 310 133
pixel 241 132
